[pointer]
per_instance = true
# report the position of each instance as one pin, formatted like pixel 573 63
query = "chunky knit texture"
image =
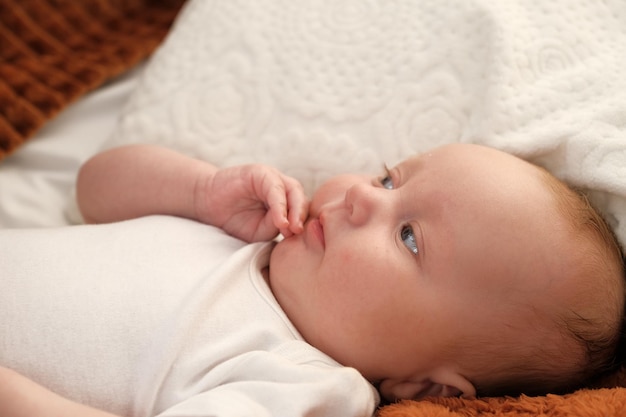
pixel 584 403
pixel 54 51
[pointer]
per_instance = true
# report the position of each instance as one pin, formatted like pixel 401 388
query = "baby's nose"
pixel 363 201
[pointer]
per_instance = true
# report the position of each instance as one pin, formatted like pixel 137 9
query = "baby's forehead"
pixel 464 151
pixel 469 159
pixel 441 155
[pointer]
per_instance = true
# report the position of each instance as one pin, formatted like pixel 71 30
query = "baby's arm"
pixel 21 397
pixel 252 202
pixel 137 180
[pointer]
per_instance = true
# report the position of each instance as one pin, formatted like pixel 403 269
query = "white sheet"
pixel 36 182
pixel 317 88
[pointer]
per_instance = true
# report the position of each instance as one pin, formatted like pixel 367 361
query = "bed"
pixel 316 89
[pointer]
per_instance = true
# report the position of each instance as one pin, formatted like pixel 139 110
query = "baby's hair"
pixel 600 341
pixel 595 343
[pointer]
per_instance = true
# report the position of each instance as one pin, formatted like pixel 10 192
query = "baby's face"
pixel 391 270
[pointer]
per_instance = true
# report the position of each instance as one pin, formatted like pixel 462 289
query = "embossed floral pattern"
pixel 322 87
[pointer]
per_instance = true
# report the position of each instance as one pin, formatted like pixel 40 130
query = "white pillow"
pixel 320 88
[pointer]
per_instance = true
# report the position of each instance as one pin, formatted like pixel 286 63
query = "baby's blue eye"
pixel 408 238
pixel 387 182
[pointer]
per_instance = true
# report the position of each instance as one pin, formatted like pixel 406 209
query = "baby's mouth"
pixel 316 230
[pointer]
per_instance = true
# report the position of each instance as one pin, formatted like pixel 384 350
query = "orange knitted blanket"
pixel 54 51
pixel 607 397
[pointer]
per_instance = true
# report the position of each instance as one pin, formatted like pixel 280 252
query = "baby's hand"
pixel 252 202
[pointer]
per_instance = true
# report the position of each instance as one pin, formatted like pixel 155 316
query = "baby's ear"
pixel 441 383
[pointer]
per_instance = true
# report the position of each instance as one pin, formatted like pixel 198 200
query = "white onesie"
pixel 161 316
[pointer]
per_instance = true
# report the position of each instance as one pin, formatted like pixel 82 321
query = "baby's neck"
pixel 265 271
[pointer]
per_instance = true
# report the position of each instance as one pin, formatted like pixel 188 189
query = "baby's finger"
pixel 297 206
pixel 286 232
pixel 267 230
pixel 276 202
pixel 285 201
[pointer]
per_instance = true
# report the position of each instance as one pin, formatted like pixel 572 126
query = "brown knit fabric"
pixel 604 397
pixel 583 403
pixel 54 51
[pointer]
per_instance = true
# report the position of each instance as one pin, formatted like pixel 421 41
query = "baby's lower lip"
pixel 315 229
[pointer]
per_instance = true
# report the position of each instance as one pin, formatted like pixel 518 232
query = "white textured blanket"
pixel 322 87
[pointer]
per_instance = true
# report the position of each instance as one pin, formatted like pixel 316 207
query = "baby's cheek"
pixel 355 268
pixel 349 258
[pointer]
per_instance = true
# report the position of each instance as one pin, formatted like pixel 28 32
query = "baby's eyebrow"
pixel 415 161
pixel 400 172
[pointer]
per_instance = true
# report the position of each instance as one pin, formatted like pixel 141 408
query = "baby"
pixel 461 271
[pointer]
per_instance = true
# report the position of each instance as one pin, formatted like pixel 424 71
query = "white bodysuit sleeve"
pixel 267 385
